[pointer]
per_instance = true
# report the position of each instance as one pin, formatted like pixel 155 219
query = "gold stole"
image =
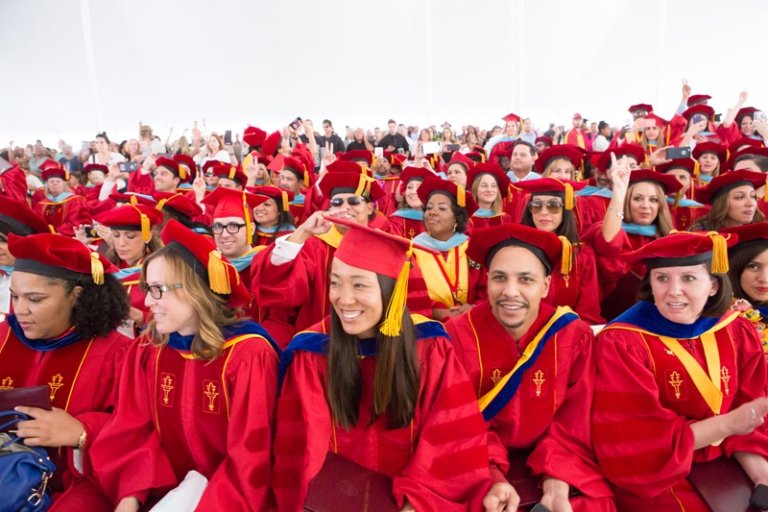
pixel 332 237
pixel 443 284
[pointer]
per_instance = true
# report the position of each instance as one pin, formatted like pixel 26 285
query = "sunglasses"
pixel 351 201
pixel 552 206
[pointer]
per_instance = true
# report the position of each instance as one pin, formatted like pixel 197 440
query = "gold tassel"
pixel 566 259
pixel 393 320
pixel 53 229
pixel 183 172
pixel 696 168
pixel 218 277
pixel 66 176
pixel 678 197
pixel 146 229
pixel 133 200
pixel 569 199
pixel 461 196
pixel 232 172
pixel 97 269
pixel 286 204
pixel 719 253
pixel 667 135
pixel 306 178
pixel 362 184
pixel 161 204
pixel 248 221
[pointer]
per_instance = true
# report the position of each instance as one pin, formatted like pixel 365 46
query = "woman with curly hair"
pixel 199 388
pixel 66 306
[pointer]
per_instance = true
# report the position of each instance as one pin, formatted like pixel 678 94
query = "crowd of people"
pixel 458 310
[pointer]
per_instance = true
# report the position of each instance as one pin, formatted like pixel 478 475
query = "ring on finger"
pixel 754 414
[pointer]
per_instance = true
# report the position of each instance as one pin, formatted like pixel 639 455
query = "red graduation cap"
pixel 495 170
pixel 544 140
pixel 755 232
pixel 169 164
pixel 639 108
pixel 350 183
pixel 688 164
pixel 547 247
pixel 54 172
pixel 560 151
pixel 132 217
pixel 395 159
pixel 463 198
pixel 745 111
pixel 298 168
pixel 462 159
pixel 358 155
pixel 227 202
pixel 281 196
pixel 345 166
pixel 711 147
pixel 133 198
pixel 657 121
pixel 18 218
pixel 254 137
pixel 631 150
pixel 682 249
pixel 200 253
pixel 60 256
pixel 230 172
pixel 179 203
pixel 728 181
pixel 271 144
pixel 705 110
pixel 49 164
pixel 95 167
pixel 187 168
pixel 749 150
pixel 415 173
pixel 696 99
pixel 743 142
pixel 512 118
pixel 668 183
pixel 555 187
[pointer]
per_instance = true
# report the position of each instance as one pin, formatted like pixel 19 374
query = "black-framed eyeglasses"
pixel 232 228
pixel 209 174
pixel 336 202
pixel 552 206
pixel 156 291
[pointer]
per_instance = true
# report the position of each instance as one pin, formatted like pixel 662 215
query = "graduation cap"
pixel 683 249
pixel 132 217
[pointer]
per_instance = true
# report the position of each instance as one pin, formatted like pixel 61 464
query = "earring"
pixel 455 225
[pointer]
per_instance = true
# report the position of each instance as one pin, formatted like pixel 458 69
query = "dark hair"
pixel 284 217
pixel 103 135
pixel 716 218
pixel 567 227
pixel 98 309
pixel 391 121
pixel 760 161
pixel 396 381
pixel 461 215
pixel 153 245
pixel 715 306
pixel 521 142
pixel 328 122
pixel 739 257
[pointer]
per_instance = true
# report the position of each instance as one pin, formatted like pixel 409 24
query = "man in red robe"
pixel 532 367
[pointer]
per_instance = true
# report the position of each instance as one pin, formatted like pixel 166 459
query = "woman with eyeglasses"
pixel 273 217
pixel 490 187
pixel 574 283
pixel 62 335
pixel 377 385
pixel 408 220
pixel 453 283
pixel 198 390
pixel 637 214
pixel 134 237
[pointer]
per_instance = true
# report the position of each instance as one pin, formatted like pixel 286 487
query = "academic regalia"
pixel 406 222
pixel 486 218
pixel 581 290
pixel 178 413
pixel 13 184
pixel 64 212
pixel 686 213
pixel 82 378
pixel 438 462
pixel 548 415
pixel 645 400
pixel 264 236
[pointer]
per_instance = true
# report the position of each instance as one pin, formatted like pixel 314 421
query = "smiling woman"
pixel 669 373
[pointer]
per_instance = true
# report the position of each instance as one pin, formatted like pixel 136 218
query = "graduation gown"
pixel 177 414
pixel 645 400
pixel 82 379
pixel 302 284
pixel 406 223
pixel 13 184
pixel 548 416
pixel 438 462
pixel 581 292
pixel 64 214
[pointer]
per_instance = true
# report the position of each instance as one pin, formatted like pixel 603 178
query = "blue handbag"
pixel 24 470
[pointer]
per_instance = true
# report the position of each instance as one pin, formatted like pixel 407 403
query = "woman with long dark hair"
pixel 381 387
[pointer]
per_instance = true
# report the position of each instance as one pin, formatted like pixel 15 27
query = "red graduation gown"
pixel 404 227
pixel 549 414
pixel 641 420
pixel 177 414
pixel 439 461
pixel 64 215
pixel 82 378
pixel 13 184
pixel 302 284
pixel 582 291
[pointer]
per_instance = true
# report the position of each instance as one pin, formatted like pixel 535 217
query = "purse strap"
pixel 18 416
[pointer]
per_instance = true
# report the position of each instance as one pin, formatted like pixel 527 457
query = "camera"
pixel 128 166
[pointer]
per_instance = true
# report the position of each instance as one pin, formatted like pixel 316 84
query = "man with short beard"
pixel 532 368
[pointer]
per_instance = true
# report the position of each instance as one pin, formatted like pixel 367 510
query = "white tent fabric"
pixel 75 67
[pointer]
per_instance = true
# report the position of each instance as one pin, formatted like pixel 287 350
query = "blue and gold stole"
pixel 497 398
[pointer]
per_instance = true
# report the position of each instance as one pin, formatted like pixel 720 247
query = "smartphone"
pixel 452 147
pixel 697 118
pixel 676 153
pixel 429 148
pixel 400 151
pixel 759 115
pixel 128 166
pixel 295 124
pixel 228 137
pixel 90 232
pixel 378 152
